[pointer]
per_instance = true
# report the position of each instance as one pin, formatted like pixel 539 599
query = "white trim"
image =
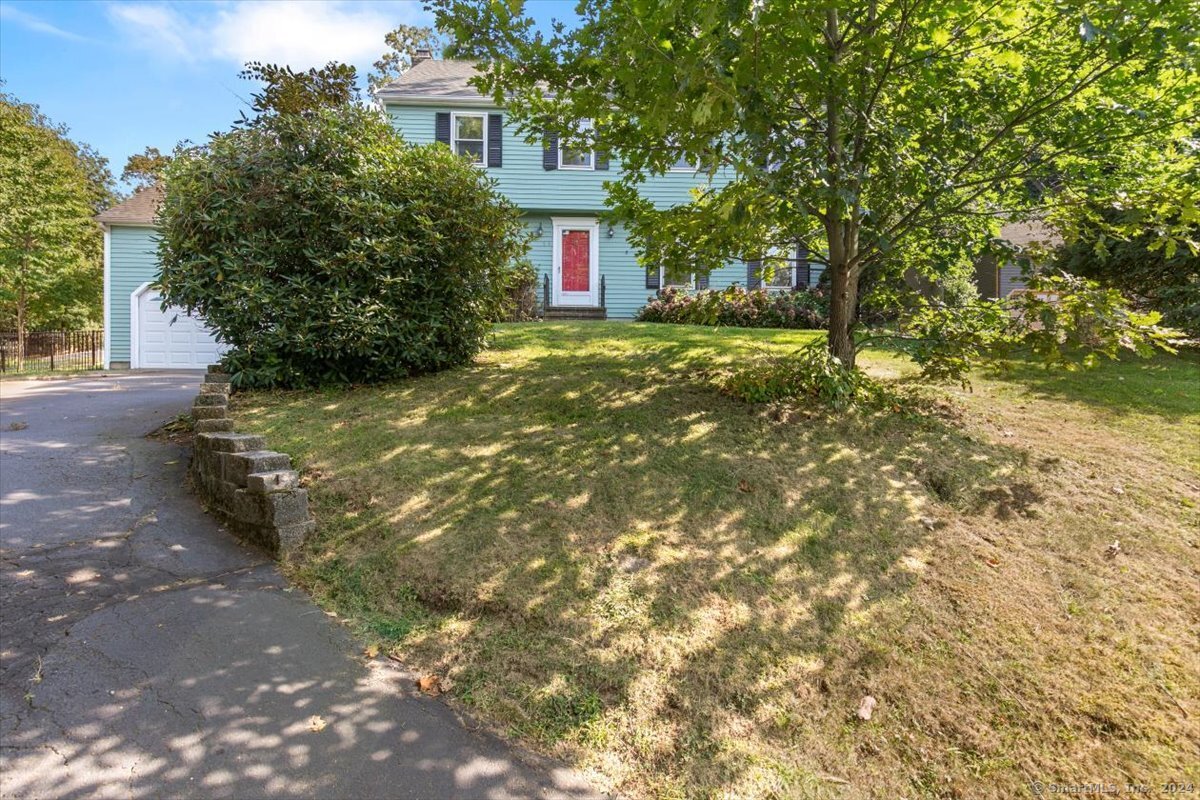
pixel 591 166
pixel 662 281
pixel 135 356
pixel 592 225
pixel 105 358
pixel 454 115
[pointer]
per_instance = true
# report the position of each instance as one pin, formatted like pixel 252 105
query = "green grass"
pixel 689 596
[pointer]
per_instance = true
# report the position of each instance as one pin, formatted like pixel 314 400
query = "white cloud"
pixel 38 24
pixel 299 33
pixel 156 27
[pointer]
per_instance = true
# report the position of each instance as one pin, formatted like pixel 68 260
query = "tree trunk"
pixel 841 229
pixel 843 304
pixel 22 302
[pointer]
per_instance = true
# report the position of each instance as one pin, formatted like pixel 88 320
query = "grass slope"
pixel 690 596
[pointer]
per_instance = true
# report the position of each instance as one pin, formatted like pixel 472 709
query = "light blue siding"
pixel 524 181
pixel 133 260
pixel 624 277
pixel 543 193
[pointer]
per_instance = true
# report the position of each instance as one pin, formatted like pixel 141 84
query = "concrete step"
pixel 575 312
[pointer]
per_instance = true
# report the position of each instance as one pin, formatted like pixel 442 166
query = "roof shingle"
pixel 435 78
pixel 141 209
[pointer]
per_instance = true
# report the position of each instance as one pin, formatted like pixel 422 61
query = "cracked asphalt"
pixel 146 652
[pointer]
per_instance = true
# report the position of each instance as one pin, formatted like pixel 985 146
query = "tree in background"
pixel 861 129
pixel 145 169
pixel 324 249
pixel 402 43
pixel 1163 277
pixel 51 248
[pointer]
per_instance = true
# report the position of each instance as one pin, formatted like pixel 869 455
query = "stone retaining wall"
pixel 252 490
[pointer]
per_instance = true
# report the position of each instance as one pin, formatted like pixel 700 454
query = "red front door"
pixel 575 266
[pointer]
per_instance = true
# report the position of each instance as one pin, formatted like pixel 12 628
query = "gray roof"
pixel 141 209
pixel 440 78
pixel 1024 234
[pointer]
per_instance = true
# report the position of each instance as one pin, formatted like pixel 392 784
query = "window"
pixel 667 282
pixel 782 269
pixel 575 158
pixel 469 136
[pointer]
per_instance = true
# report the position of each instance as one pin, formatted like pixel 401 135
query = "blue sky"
pixel 127 74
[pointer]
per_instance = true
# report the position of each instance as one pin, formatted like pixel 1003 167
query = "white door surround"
pixel 563 225
pixel 167 339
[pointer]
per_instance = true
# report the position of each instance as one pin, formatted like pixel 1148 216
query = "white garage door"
pixel 171 339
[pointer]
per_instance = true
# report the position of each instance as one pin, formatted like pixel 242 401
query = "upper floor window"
pixel 570 157
pixel 469 135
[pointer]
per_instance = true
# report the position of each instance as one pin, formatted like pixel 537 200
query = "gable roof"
pixel 445 79
pixel 140 209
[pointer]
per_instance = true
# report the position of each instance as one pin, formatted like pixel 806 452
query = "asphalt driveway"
pixel 145 652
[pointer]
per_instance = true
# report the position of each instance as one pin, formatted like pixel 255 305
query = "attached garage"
pixel 167 339
pixel 138 333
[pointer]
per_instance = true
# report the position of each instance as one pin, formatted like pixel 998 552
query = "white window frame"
pixel 591 165
pixel 454 117
pixel 777 254
pixel 662 281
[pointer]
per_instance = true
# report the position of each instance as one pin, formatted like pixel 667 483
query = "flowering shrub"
pixel 757 308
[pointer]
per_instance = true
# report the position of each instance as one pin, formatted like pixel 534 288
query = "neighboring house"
pixel 588 265
pixel 138 333
pixel 586 268
pixel 997 279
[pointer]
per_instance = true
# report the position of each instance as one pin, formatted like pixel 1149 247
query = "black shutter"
pixel 495 153
pixel 550 150
pixel 652 278
pixel 702 280
pixel 803 268
pixel 754 273
pixel 441 127
pixel 602 160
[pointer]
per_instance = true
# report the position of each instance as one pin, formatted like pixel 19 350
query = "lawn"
pixel 687 596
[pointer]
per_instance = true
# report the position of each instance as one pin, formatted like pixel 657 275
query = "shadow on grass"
pixel 1164 385
pixel 599 548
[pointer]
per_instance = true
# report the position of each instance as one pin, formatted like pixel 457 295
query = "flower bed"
pixel 756 308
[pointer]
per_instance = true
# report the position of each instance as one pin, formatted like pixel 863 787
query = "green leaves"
pixel 326 250
pixel 51 249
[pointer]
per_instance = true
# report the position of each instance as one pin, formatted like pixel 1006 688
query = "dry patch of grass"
pixel 689 597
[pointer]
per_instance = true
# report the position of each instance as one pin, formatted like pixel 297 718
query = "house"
pixel 586 267
pixel 997 279
pixel 138 333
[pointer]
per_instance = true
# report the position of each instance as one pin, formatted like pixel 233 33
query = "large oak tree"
pixel 876 133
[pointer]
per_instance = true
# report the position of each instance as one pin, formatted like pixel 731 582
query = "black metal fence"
pixel 50 351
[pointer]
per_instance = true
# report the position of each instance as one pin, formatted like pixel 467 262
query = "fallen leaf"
pixel 743 486
pixel 929 522
pixel 1113 549
pixel 18 426
pixel 867 707
pixel 430 685
pixel 316 724
pixel 371 651
pixel 1118 490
